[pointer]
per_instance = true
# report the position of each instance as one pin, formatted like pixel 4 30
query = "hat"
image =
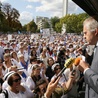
pixel 20 69
pixel 7 75
pixel 6 48
pixel 20 47
pixel 20 55
pixel 6 54
pixel 34 66
pixel 54 65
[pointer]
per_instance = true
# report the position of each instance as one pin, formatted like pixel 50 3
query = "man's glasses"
pixel 16 80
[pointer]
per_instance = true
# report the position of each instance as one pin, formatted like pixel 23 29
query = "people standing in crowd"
pixel 35 77
pixel 70 90
pixel 2 69
pixel 54 54
pixel 21 50
pixel 42 66
pixel 49 71
pixel 59 42
pixel 6 50
pixel 23 64
pixel 44 56
pixel 14 56
pixel 15 88
pixel 9 63
pixel 26 53
pixel 33 54
pixel 61 57
pixel 1 50
pixel 41 87
pixel 1 74
pixel 33 61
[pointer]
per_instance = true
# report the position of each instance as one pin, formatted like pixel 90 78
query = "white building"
pixel 41 20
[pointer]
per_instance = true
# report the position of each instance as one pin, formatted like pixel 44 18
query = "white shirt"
pixel 67 72
pixel 1 52
pixel 95 48
pixel 26 94
pixel 62 79
pixel 30 83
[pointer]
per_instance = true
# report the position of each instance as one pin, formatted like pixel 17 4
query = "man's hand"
pixel 83 65
pixel 20 88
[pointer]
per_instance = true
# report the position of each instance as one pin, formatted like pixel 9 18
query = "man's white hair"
pixel 91 24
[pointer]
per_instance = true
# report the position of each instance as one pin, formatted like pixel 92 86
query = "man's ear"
pixel 96 32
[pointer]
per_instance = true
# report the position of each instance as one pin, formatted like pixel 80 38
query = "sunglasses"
pixel 57 68
pixel 16 80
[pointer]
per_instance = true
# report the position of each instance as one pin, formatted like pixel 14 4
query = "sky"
pixel 29 9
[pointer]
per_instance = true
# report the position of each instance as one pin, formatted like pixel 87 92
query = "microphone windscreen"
pixel 77 61
pixel 69 62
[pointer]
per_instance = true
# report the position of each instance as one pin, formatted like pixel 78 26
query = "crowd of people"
pixel 29 66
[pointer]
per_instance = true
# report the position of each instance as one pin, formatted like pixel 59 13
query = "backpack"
pixel 5 92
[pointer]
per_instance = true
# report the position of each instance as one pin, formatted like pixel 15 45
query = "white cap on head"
pixel 54 65
pixel 8 75
pixel 20 55
pixel 31 68
pixel 34 65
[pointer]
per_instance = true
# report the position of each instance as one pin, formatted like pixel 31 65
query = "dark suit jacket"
pixel 91 78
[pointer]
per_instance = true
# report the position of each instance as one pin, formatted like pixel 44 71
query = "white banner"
pixel 9 37
pixel 46 32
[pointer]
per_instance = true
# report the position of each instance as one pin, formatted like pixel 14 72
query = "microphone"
pixel 69 63
pixel 77 61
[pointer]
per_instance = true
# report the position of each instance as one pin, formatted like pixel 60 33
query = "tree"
pixel 32 26
pixel 46 25
pixel 2 18
pixel 58 27
pixel 54 20
pixel 16 25
pixel 11 15
pixel 81 17
pixel 24 28
pixel 74 22
pixel 1 13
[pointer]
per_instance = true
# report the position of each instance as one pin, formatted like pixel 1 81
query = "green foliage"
pixel 9 18
pixel 9 21
pixel 74 22
pixel 32 26
pixel 38 30
pixel 54 20
pixel 58 27
pixel 24 28
pixel 46 25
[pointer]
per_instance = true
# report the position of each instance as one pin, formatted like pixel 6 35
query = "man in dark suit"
pixel 90 29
